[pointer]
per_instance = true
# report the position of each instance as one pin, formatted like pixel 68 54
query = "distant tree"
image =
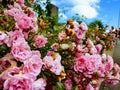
pixel 97 23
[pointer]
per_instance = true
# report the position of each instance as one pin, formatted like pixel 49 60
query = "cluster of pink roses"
pixel 24 68
pixel 21 66
pixel 93 68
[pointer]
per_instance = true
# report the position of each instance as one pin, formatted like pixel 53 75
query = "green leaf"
pixel 60 86
pixel 3 47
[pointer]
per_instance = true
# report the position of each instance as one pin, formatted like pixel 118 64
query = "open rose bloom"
pixel 34 59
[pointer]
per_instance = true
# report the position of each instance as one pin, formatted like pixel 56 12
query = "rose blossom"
pixel 21 2
pixel 23 21
pixel 62 36
pixel 2 37
pixel 9 73
pixel 18 82
pixel 53 63
pixel 39 84
pixel 99 48
pixel 34 64
pixel 55 46
pixel 109 64
pixel 68 84
pixel 40 41
pixel 83 26
pixel 20 50
pixel 14 35
pixel 88 64
pixel 79 35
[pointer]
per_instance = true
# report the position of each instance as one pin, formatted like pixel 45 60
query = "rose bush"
pixel 34 59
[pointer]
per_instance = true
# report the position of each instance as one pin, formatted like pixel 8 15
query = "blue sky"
pixel 105 10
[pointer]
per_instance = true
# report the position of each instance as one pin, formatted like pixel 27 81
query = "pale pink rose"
pixel 57 68
pixel 88 64
pixel 76 25
pixel 34 64
pixel 94 62
pixel 80 64
pixel 68 84
pixel 62 36
pixel 14 35
pixel 79 35
pixel 21 2
pixel 89 87
pixel 18 82
pixel 3 38
pixel 99 48
pixel 48 62
pixel 101 71
pixel 20 50
pixel 40 41
pixel 9 73
pixel 53 63
pixel 50 53
pixel 79 51
pixel 83 26
pixel 109 64
pixel 39 84
pixel 13 11
pixel 55 46
pixel 22 21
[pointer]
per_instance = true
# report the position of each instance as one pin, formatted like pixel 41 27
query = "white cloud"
pixel 85 10
pixel 88 8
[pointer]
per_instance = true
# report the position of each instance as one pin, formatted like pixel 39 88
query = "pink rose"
pixel 75 25
pixel 18 82
pixel 14 35
pixel 39 84
pixel 99 48
pixel 79 35
pixel 109 64
pixel 88 64
pixel 21 2
pixel 9 73
pixel 55 46
pixel 83 26
pixel 68 84
pixel 3 38
pixel 20 50
pixel 34 64
pixel 23 21
pixel 62 36
pixel 53 63
pixel 40 41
